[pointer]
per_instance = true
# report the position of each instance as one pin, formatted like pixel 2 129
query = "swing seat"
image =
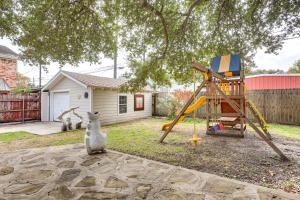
pixel 195 139
pixel 215 129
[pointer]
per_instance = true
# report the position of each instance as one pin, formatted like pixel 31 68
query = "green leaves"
pixel 295 68
pixel 7 15
pixel 161 37
pixel 64 31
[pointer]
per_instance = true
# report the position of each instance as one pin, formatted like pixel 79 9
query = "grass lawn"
pixel 285 130
pixel 12 136
pixel 128 135
pixel 218 155
pixel 138 139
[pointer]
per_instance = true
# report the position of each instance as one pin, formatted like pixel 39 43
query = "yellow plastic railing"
pixel 262 119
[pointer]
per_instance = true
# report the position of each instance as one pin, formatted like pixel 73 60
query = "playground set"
pixel 226 104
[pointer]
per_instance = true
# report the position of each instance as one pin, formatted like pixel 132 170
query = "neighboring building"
pixel 8 66
pixel 93 94
pixel 3 85
pixel 272 81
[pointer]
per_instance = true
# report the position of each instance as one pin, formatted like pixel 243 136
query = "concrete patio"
pixel 39 128
pixel 67 172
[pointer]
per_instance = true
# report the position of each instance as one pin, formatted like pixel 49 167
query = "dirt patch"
pixel 247 159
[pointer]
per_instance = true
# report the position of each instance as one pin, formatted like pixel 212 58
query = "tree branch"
pixel 159 14
pixel 217 27
pixel 188 14
pixel 291 38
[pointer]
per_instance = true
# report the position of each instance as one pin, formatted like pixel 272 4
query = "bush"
pixel 167 105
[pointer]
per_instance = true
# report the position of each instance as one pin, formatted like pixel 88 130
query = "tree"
pixel 266 71
pixel 7 21
pixel 295 68
pixel 22 85
pixel 182 95
pixel 169 34
pixel 168 105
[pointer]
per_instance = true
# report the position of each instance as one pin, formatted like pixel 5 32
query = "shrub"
pixel 167 105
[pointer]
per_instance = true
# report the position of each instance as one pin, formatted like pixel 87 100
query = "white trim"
pixel 91 96
pixel 118 111
pixel 57 75
pixel 62 73
pixel 8 56
pixel 63 90
pixel 51 102
pixel 268 75
pixel 80 83
pixel 50 81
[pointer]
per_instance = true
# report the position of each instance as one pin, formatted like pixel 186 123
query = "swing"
pixel 219 122
pixel 232 101
pixel 217 126
pixel 195 137
pixel 214 127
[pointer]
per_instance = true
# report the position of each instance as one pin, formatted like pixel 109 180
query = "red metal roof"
pixel 272 81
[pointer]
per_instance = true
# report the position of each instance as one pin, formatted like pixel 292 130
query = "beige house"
pixel 92 94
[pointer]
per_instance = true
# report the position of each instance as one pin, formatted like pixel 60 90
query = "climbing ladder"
pixel 261 120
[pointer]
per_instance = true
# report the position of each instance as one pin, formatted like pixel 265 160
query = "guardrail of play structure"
pixel 258 113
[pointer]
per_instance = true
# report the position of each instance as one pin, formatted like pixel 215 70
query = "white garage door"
pixel 61 103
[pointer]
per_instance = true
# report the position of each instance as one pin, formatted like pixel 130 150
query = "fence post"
pixel 23 110
pixel 40 104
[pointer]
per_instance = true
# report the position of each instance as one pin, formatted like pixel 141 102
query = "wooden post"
pixel 202 69
pixel 182 112
pixel 23 109
pixel 208 113
pixel 154 97
pixel 242 100
pixel 40 104
pixel 260 133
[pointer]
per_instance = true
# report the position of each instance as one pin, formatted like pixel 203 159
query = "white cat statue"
pixel 95 140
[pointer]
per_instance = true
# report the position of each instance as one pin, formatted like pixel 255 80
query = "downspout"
pixel 91 99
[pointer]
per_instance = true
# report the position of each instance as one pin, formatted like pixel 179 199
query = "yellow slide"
pixel 190 109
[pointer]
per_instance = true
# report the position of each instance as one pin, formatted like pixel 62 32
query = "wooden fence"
pixel 20 108
pixel 277 106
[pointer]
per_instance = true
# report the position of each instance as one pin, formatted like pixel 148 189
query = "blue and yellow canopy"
pixel 229 65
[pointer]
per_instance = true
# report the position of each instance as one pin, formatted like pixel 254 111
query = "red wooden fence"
pixel 20 108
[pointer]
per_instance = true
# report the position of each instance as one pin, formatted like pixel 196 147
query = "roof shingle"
pixel 96 81
pixel 5 52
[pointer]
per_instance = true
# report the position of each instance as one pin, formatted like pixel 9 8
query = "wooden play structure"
pixel 226 104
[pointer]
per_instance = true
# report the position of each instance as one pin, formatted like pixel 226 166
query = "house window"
pixel 138 102
pixel 122 104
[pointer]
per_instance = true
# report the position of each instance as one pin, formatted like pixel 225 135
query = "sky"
pixel 285 58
